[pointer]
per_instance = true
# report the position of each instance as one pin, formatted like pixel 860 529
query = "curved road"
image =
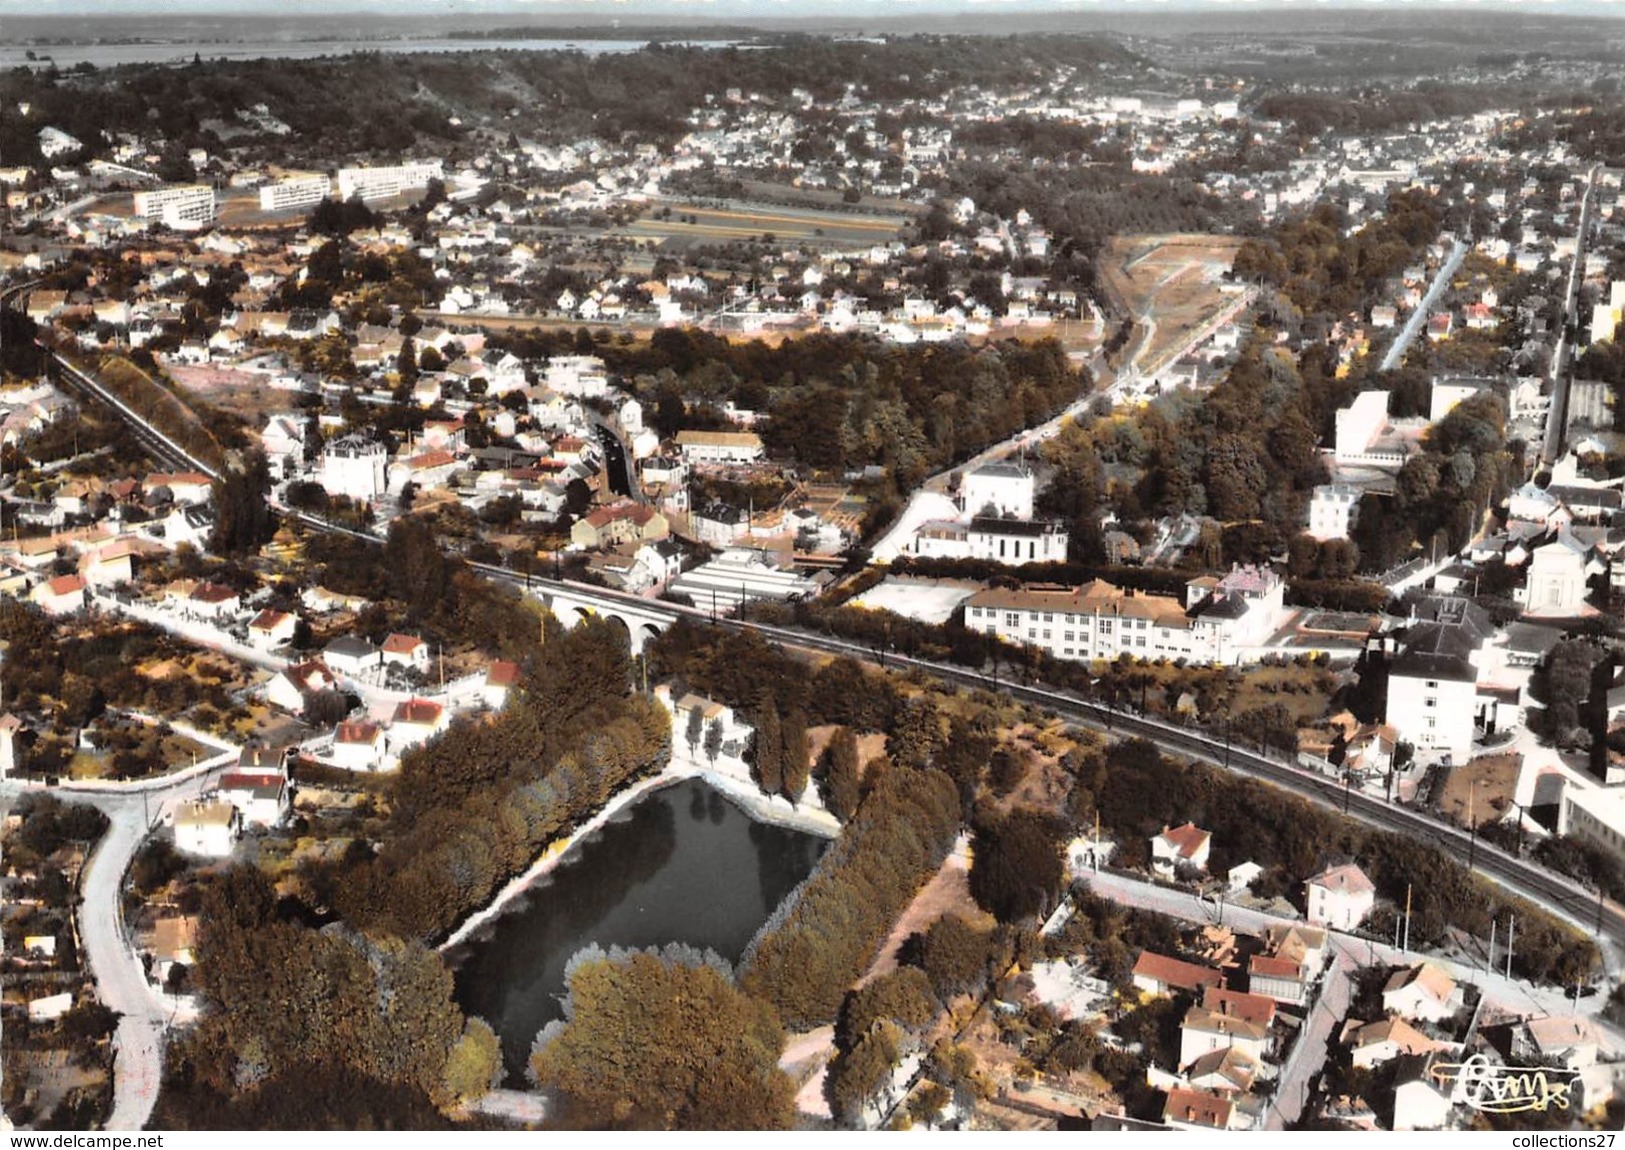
pixel 121 982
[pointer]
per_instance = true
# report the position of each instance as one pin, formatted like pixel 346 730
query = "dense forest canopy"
pixel 372 102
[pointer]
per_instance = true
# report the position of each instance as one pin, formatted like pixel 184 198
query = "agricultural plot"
pixel 679 224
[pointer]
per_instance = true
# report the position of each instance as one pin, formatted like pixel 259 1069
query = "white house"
pixel 212 601
pixel 415 721
pixel 293 686
pixel 1558 571
pixel 1572 1041
pixel 260 799
pixel 1334 509
pixel 1227 1020
pixel 719 446
pixel 1423 992
pixel 358 746
pixel 1006 488
pixel 734 733
pixel 1181 846
pixel 207 828
pixel 1420 1101
pixel 1158 974
pixel 272 629
pixel 1198 1110
pixel 352 655
pixel 60 596
pixel 1373 1043
pixel 283 441
pixel 406 651
pixel 1433 681
pixel 1340 897
pixel 500 679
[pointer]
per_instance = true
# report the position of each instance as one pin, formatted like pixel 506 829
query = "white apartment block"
pixel 180 206
pixel 1220 621
pixel 1596 816
pixel 382 183
pixel 355 468
pixel 719 446
pixel 1433 696
pixel 1097 621
pixel 295 193
pixel 1334 508
pixel 1360 425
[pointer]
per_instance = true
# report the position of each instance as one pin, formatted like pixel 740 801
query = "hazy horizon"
pixel 767 11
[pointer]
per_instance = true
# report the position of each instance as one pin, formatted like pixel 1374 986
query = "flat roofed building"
pixel 294 193
pixel 383 182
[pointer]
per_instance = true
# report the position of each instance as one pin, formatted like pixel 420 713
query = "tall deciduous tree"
pixel 1018 864
pixel 796 768
pixel 662 1041
pixel 767 751
pixel 840 780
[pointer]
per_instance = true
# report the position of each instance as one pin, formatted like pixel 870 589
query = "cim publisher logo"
pixel 1505 1089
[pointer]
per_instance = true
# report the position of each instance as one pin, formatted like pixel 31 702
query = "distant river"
pixel 110 55
pixel 683 865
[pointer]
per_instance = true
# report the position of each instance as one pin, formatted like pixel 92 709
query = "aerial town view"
pixel 800 567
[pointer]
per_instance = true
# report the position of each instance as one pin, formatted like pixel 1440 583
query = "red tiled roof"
pixel 359 732
pixel 1348 878
pixel 1187 839
pixel 502 673
pixel 1269 967
pixel 65 585
pixel 403 644
pixel 1197 1107
pixel 1173 972
pixel 1254 1008
pixel 419 712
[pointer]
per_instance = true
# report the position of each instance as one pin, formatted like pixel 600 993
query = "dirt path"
pixel 948 892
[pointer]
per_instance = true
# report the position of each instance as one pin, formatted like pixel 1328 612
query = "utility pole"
pixel 1472 828
pixel 1512 926
pixel 1407 945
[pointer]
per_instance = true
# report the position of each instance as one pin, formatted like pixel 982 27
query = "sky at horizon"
pixel 746 10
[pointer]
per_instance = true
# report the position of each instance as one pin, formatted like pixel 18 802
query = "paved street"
pixel 121 983
pixel 1396 351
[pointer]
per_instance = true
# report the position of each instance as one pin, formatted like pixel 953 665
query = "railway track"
pixel 1587 911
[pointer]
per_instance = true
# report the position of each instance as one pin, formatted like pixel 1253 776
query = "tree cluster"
pixel 287 1003
pixel 827 932
pixel 662 1040
pixel 479 803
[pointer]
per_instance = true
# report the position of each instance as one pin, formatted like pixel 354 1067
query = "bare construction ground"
pixel 1170 284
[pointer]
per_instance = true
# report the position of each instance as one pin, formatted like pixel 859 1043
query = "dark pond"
pixel 682 865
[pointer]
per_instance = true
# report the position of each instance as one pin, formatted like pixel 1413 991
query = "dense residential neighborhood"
pixel 814 580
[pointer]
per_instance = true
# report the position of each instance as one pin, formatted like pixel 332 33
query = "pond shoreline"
pixel 750 802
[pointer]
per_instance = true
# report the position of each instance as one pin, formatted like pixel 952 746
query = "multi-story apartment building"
pixel 1221 621
pixel 294 193
pixel 382 183
pixel 179 206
